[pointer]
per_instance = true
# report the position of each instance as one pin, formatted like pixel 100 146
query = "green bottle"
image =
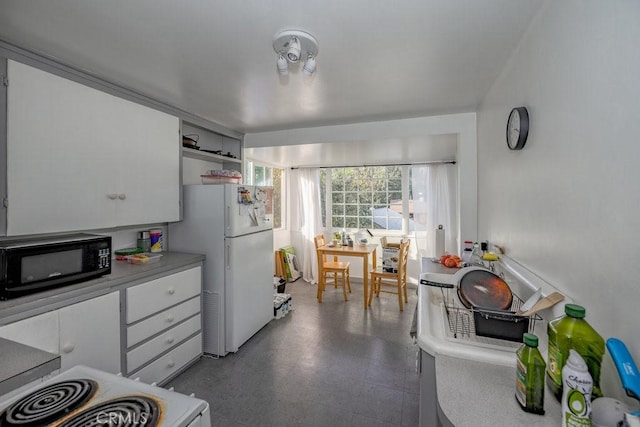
pixel 573 332
pixel 530 375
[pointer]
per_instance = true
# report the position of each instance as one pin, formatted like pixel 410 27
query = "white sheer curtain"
pixel 308 218
pixel 434 190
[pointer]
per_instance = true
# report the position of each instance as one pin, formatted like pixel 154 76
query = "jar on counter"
pixel 144 241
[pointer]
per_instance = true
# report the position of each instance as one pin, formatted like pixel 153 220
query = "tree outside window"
pixel 266 176
pixel 364 197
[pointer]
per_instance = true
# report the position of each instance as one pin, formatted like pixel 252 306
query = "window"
pixel 373 197
pixel 257 174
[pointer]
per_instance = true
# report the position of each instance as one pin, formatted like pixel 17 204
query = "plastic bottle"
pixel 576 397
pixel 476 254
pixel 530 368
pixel 573 332
pixel 466 252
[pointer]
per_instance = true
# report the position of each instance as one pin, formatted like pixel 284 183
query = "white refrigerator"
pixel 232 225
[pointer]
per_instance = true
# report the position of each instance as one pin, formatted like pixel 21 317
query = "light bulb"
pixel 293 53
pixel 309 66
pixel 283 66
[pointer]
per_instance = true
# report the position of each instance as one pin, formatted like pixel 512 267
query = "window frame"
pixel 405 191
pixel 250 165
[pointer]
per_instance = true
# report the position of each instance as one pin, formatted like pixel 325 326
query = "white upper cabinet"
pixel 79 158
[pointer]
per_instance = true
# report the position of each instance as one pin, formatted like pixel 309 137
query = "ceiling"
pixel 378 59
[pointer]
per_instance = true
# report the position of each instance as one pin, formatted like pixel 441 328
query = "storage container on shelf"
pixel 221 176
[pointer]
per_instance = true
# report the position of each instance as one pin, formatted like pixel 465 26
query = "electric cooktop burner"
pixel 86 397
pixel 127 411
pixel 49 403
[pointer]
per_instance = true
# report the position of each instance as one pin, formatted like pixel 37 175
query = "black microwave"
pixel 37 264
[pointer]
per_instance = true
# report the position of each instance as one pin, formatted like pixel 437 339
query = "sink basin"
pixel 442 330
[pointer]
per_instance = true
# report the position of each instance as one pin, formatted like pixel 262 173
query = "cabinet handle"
pixel 171 364
pixel 112 196
pixel 170 318
pixel 122 196
pixel 170 340
pixel 171 291
pixel 68 347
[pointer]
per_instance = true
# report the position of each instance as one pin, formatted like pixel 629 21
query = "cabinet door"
pixel 61 143
pixel 149 177
pixel 90 334
pixel 80 159
pixel 38 331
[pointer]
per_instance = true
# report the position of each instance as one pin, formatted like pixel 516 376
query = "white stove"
pixel 83 396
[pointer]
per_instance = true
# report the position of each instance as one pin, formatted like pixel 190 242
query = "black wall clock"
pixel 517 128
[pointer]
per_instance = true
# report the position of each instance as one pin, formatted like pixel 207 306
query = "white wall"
pixel 567 205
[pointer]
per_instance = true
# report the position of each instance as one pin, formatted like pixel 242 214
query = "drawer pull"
pixel 171 364
pixel 170 340
pixel 171 291
pixel 170 318
pixel 68 347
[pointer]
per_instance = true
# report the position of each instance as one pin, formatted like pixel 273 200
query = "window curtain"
pixel 308 221
pixel 434 190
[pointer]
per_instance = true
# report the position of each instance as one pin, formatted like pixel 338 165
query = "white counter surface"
pixel 480 394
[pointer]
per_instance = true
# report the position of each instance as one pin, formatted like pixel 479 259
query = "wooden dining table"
pixel 361 251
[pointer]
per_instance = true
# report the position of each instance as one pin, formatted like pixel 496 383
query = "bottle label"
pixel 576 400
pixel 556 362
pixel 573 421
pixel 521 388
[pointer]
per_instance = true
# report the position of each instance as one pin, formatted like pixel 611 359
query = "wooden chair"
pixel 396 283
pixel 334 269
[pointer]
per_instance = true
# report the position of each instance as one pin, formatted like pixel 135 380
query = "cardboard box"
pixel 390 255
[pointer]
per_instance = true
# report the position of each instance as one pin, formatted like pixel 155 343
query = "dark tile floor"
pixel 323 364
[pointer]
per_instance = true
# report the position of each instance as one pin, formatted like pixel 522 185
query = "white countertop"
pixel 480 394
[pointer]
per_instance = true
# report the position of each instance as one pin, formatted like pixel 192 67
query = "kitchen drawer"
pixel 171 362
pixel 151 349
pixel 156 295
pixel 161 321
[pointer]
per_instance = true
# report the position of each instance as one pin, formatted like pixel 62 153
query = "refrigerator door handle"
pixel 227 218
pixel 226 256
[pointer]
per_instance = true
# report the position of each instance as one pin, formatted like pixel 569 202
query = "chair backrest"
pixel 403 260
pixel 319 240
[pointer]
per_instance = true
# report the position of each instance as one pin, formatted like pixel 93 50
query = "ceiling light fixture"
pixel 309 66
pixel 283 66
pixel 290 45
pixel 293 53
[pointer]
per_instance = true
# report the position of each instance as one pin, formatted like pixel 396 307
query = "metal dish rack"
pixel 462 321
